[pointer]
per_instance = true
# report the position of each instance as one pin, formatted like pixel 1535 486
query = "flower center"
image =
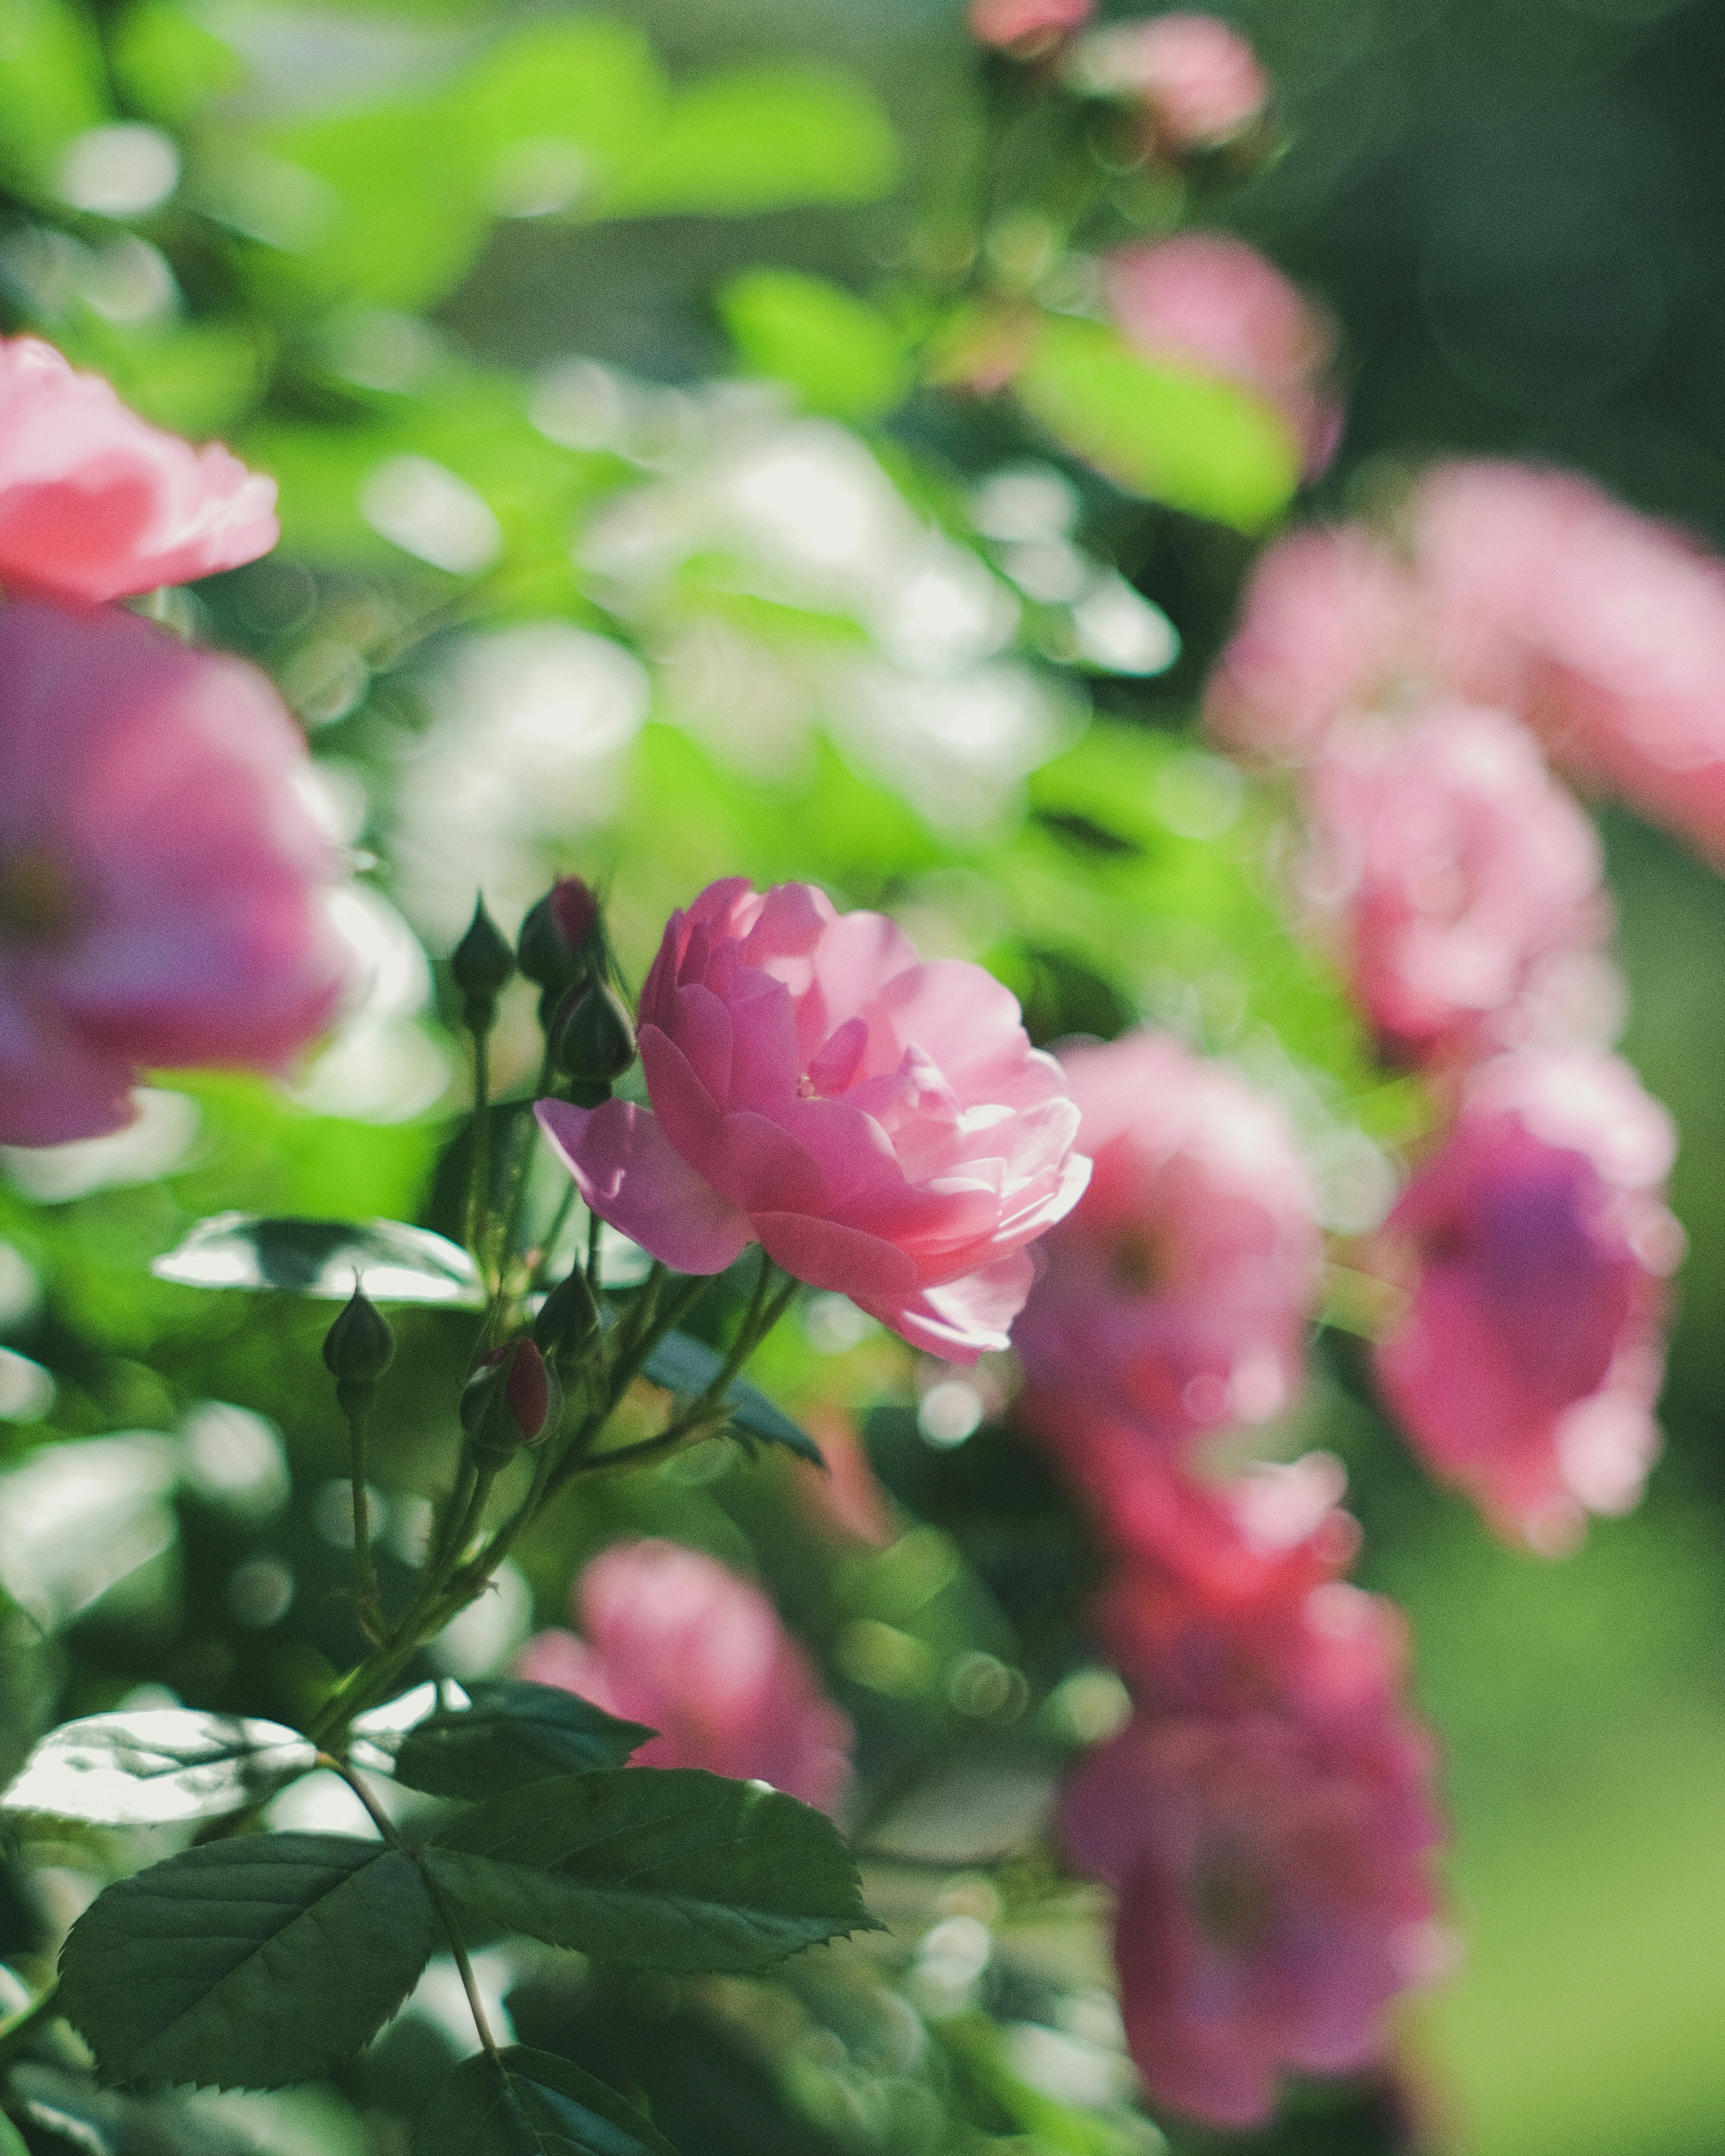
pixel 37 902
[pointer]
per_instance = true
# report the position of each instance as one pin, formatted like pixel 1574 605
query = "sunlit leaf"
pixel 558 105
pixel 168 64
pixel 532 2103
pixel 76 1519
pixel 396 1263
pixel 760 138
pixel 250 1964
pixel 688 1366
pixel 1190 439
pixel 838 353
pixel 52 87
pixel 513 1733
pixel 658 1868
pixel 156 1764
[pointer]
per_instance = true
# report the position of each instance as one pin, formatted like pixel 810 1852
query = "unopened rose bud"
pixel 357 1349
pixel 480 965
pixel 554 934
pixel 593 1036
pixel 569 1318
pixel 510 1402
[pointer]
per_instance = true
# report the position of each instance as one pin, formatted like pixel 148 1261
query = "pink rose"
pixel 1176 1291
pixel 1460 880
pixel 160 884
pixel 1200 80
pixel 94 503
pixel 1027 28
pixel 1526 1367
pixel 677 1641
pixel 881 1126
pixel 1274 1895
pixel 1204 301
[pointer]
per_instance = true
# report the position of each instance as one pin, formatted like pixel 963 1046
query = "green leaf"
pixel 688 1366
pixel 562 104
pixel 159 1763
pixel 837 352
pixel 530 2103
pixel 514 1733
pixel 52 88
pixel 169 66
pixel 758 138
pixel 397 1263
pixel 661 1868
pixel 1173 434
pixel 248 1963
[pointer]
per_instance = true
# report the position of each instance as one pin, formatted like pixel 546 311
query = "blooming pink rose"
pixel 94 503
pixel 1199 79
pixel 161 884
pixel 1204 301
pixel 1526 1366
pixel 1274 1895
pixel 1027 26
pixel 882 1127
pixel 1178 1289
pixel 677 1641
pixel 1459 879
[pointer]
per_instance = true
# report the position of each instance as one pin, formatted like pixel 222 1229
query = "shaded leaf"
pixel 838 353
pixel 159 1763
pixel 688 1366
pixel 662 1868
pixel 1175 435
pixel 514 1733
pixel 531 2103
pixel 250 1963
pixel 396 1263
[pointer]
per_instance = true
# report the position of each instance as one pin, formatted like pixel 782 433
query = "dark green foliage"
pixel 655 1868
pixel 688 1366
pixel 513 1733
pixel 249 1963
pixel 529 2103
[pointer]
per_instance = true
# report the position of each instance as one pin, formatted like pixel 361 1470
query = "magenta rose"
pixel 162 886
pixel 676 1641
pixel 882 1127
pixel 95 504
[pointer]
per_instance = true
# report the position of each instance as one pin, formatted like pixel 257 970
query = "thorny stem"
pixel 479 1178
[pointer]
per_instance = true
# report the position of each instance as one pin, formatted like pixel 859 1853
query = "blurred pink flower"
pixel 1329 622
pixel 1176 1291
pixel 1527 1364
pixel 676 1641
pixel 1206 301
pixel 1460 880
pixel 1199 80
pixel 1274 1895
pixel 160 884
pixel 1026 27
pixel 882 1125
pixel 95 504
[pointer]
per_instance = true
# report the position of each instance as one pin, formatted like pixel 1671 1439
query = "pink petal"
pixel 630 1174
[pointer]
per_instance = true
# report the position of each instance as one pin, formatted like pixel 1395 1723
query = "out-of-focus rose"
pixel 1178 1289
pixel 1026 27
pixel 1460 880
pixel 1274 1895
pixel 94 503
pixel 1526 1367
pixel 1204 301
pixel 676 1641
pixel 1330 621
pixel 882 1125
pixel 161 898
pixel 1198 80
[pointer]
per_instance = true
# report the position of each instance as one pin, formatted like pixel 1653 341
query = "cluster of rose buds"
pixel 1417 682
pixel 162 886
pixel 1266 1816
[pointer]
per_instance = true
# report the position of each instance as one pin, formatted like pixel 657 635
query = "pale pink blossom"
pixel 1459 881
pixel 1198 80
pixel 95 504
pixel 161 899
pixel 674 1639
pixel 1207 301
pixel 1027 28
pixel 1526 1366
pixel 1275 1894
pixel 882 1127
pixel 1329 622
pixel 1177 1292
